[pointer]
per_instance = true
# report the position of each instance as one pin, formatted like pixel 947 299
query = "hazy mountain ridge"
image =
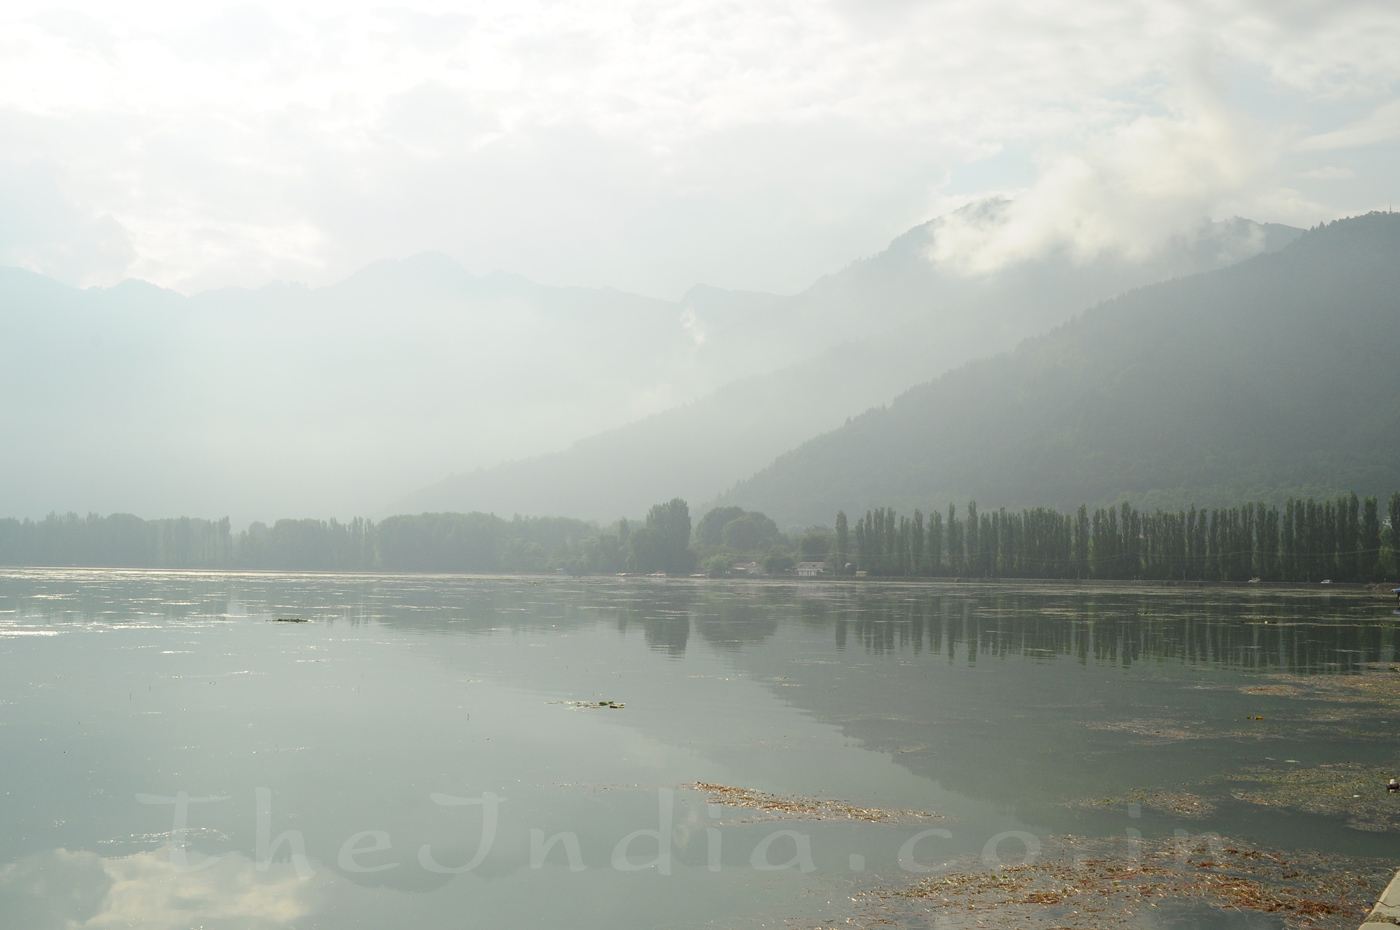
pixel 1269 377
pixel 290 399
pixel 901 318
pixel 331 401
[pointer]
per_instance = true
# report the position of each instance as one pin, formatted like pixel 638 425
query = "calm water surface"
pixel 413 734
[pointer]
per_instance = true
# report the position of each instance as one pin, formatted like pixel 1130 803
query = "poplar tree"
pixel 1350 544
pixel 1081 542
pixel 935 543
pixel 1287 546
pixel 842 541
pixel 955 542
pixel 1370 551
pixel 916 542
pixel 1395 532
pixel 972 557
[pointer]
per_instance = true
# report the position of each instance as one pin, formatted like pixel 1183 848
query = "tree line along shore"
pixel 1347 539
pixel 1342 540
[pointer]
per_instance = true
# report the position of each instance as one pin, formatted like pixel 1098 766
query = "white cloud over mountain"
pixel 649 146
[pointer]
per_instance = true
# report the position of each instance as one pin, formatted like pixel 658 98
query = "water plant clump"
pixel 1106 884
pixel 787 805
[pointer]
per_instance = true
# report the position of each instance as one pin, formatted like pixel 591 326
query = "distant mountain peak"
pixel 1271 377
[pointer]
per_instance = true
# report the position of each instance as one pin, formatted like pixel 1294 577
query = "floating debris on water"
pixel 1098 884
pixel 1270 689
pixel 592 705
pixel 1374 683
pixel 785 805
pixel 1155 727
pixel 1178 803
pixel 290 620
pixel 1345 789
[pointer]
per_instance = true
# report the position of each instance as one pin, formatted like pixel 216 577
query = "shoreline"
pixel 1386 913
pixel 1378 589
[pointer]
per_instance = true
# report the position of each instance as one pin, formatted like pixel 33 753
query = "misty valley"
pixel 1054 592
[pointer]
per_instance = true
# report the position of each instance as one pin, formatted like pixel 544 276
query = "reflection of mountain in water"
pixel 1019 695
pixel 1032 697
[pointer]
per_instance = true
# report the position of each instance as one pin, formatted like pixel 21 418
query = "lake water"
pixel 406 755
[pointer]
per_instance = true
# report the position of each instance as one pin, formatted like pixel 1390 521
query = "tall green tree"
pixel 1395 532
pixel 935 543
pixel 971 558
pixel 1370 553
pixel 663 543
pixel 842 542
pixel 916 542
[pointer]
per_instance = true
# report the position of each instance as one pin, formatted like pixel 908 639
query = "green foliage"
pixel 778 561
pixel 1394 525
pixel 750 532
pixel 731 534
pixel 1369 545
pixel 117 541
pixel 842 542
pixel 663 544
pixel 442 542
pixel 709 532
pixel 817 544
pixel 1307 541
pixel 450 542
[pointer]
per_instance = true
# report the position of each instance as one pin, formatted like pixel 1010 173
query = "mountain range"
pixel 588 402
pixel 334 400
pixel 901 316
pixel 1272 377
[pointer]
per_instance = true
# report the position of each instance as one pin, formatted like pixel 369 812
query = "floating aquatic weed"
pixel 812 808
pixel 1160 728
pixel 1098 884
pixel 1375 683
pixel 1178 803
pixel 1345 789
pixel 592 705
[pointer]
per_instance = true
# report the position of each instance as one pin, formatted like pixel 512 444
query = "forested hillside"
pixel 891 320
pixel 1271 378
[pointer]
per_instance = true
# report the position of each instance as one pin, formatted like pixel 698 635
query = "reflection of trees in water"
pixel 93 596
pixel 728 623
pixel 667 634
pixel 1284 631
pixel 1295 634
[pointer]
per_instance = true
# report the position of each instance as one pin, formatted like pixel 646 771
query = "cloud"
pixel 63 890
pixel 1381 125
pixel 1330 174
pixel 146 892
pixel 642 145
pixel 1126 191
pixel 43 231
pixel 52 890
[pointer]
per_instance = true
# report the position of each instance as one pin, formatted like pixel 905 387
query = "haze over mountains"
pixel 901 317
pixel 335 401
pixel 1273 377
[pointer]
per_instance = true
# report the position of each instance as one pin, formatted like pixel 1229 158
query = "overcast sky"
pixel 650 146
